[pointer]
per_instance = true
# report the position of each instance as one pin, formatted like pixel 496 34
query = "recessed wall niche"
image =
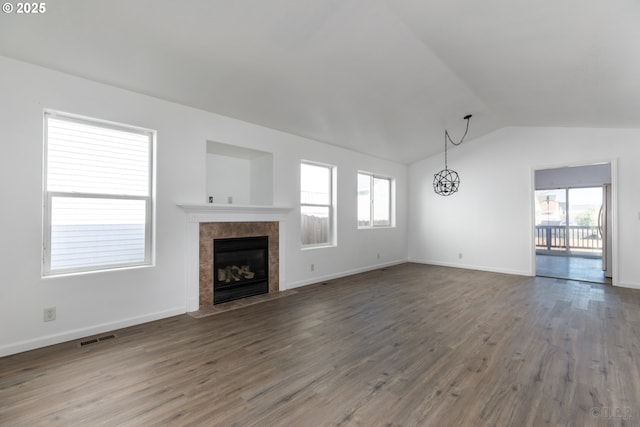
pixel 239 175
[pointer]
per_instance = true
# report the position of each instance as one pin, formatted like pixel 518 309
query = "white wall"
pixel 490 220
pixel 241 175
pixel 228 177
pixel 98 302
pixel 260 181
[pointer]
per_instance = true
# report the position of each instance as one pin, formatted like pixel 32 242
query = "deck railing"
pixel 562 237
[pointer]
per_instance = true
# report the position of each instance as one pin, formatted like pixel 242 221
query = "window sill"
pixel 311 247
pixel 67 273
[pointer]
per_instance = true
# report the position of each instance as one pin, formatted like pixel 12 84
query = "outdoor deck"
pixel 571 268
pixel 581 239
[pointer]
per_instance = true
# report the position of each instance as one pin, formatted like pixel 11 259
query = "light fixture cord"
pixel 448 137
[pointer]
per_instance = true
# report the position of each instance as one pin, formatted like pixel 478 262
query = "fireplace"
pixel 211 231
pixel 240 268
pixel 207 222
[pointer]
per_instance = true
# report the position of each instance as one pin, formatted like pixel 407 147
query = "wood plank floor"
pixel 412 345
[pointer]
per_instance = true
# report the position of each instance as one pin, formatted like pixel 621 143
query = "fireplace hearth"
pixel 241 268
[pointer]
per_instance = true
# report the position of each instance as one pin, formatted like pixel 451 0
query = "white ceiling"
pixel 384 77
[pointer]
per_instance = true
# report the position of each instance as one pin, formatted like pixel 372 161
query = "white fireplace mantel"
pixel 199 213
pixel 213 212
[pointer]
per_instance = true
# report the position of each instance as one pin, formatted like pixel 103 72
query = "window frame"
pixel 391 202
pixel 331 206
pixel 48 196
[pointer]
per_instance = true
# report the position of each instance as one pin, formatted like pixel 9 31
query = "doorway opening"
pixel 573 223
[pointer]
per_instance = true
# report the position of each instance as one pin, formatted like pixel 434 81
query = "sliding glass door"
pixel 567 221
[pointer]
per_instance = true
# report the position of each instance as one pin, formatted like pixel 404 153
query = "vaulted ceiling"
pixel 384 77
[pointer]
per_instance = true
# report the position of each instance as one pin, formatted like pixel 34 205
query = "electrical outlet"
pixel 313 267
pixel 49 314
pixel 378 255
pixel 460 255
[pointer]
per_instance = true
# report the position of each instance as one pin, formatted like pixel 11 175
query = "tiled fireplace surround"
pixel 223 230
pixel 208 222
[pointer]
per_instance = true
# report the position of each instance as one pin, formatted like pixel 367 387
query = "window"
pixel 97 195
pixel 374 201
pixel 316 204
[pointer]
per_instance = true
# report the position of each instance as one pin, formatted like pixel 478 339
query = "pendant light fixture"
pixel 447 181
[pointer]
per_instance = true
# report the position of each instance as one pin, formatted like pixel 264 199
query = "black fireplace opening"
pixel 240 268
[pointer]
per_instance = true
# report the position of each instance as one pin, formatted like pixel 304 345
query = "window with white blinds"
pixel 98 195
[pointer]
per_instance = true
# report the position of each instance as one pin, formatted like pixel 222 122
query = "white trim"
pixel 76 118
pixel 372 201
pixel 75 334
pixel 472 267
pixel 207 210
pixel 331 206
pixel 614 207
pixel 614 224
pixel 317 246
pixel 198 213
pixel 47 196
pixel 344 274
pixel 627 285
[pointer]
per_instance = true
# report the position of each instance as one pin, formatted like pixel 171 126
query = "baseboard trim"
pixel 311 281
pixel 472 267
pixel 75 334
pixel 627 285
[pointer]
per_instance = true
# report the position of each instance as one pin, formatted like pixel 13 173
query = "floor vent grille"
pixel 96 340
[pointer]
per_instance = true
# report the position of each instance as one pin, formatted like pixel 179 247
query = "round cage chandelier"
pixel 447 181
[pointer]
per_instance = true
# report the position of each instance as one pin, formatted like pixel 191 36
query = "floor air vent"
pixel 96 340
